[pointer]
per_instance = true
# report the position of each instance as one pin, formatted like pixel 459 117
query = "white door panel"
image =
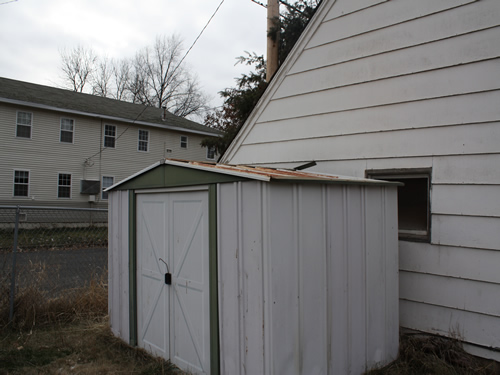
pixel 152 299
pixel 173 320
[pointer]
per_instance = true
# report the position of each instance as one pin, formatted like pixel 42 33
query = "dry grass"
pixel 427 354
pixel 69 334
pixel 32 307
pixel 79 347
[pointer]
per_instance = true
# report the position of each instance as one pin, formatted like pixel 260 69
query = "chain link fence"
pixel 55 250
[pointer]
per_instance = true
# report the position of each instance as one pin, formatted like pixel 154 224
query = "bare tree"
pixel 121 77
pixel 191 102
pixel 155 77
pixel 166 82
pixel 137 84
pixel 78 65
pixel 101 78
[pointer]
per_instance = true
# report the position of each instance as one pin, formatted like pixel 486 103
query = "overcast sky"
pixel 33 32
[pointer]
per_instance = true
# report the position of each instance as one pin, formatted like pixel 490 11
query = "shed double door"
pixel 172 237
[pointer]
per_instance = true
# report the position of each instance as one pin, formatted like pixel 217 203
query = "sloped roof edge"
pixel 258 173
pixel 66 101
pixel 322 11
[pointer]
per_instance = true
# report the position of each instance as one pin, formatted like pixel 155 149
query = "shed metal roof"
pixel 55 99
pixel 258 173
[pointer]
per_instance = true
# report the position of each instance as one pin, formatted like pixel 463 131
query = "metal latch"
pixel 168 275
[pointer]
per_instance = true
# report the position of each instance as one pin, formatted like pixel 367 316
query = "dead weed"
pixel 427 354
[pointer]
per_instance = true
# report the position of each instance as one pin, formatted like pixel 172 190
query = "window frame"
pixel 72 131
pixel 139 140
pixel 211 149
pixel 64 186
pixel 107 136
pixel 184 141
pixel 402 175
pixel 30 126
pixel 14 183
pixel 104 195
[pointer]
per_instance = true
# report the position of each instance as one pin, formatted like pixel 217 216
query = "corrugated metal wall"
pixel 308 280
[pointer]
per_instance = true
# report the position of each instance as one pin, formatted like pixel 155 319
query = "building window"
pixel 64 185
pixel 109 136
pixel 67 127
pixel 211 153
pixel 143 140
pixel 21 183
pixel 24 122
pixel 413 201
pixel 184 141
pixel 106 183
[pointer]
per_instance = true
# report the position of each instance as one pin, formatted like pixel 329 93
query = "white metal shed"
pixel 246 270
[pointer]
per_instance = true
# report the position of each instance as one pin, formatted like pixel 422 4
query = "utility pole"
pixel 273 16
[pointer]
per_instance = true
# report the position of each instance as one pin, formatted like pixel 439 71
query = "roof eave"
pixel 105 117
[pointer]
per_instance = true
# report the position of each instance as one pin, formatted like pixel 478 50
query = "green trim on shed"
pixel 214 277
pixel 213 270
pixel 166 176
pixel 132 252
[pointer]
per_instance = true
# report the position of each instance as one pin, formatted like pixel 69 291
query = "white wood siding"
pixel 307 278
pixel 400 84
pixel 45 156
pixel 118 264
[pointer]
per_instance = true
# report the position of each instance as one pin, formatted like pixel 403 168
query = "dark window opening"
pixel 413 201
pixel 64 185
pixel 67 127
pixel 184 141
pixel 107 181
pixel 143 140
pixel 21 183
pixel 211 153
pixel 109 136
pixel 23 127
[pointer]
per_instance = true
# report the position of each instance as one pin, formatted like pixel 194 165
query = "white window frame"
pixel 14 183
pixel 402 175
pixel 30 125
pixel 184 141
pixel 211 150
pixel 72 131
pixel 65 186
pixel 104 195
pixel 109 136
pixel 142 141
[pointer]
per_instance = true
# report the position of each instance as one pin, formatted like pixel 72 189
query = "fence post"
pixel 14 252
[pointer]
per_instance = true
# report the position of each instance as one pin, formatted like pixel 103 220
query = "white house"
pixel 62 148
pixel 408 91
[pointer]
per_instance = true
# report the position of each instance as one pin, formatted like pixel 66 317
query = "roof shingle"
pixel 95 106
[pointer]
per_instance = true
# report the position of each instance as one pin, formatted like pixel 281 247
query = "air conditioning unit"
pixel 91 187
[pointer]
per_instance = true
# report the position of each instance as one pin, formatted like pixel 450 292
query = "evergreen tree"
pixel 239 101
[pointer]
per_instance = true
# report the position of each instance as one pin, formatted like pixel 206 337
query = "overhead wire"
pixel 199 35
pixel 123 132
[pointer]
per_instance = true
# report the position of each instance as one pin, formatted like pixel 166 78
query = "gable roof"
pixel 51 98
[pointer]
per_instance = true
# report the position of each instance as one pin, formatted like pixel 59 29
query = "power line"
pixel 259 3
pixel 7 2
pixel 199 35
pixel 123 132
